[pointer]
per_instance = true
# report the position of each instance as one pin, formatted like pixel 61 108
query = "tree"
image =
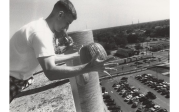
pixel 138 46
pixel 148 32
pixel 120 39
pixel 132 38
pixel 129 31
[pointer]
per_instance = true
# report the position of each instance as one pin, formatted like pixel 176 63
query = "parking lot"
pixel 160 100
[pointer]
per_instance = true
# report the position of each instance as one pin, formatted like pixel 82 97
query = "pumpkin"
pixel 86 54
pixel 89 51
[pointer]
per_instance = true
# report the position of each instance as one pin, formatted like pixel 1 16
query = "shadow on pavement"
pixel 40 89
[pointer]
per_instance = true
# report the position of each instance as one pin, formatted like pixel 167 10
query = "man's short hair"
pixel 66 5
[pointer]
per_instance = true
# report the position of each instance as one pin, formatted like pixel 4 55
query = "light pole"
pixel 168 56
pixel 146 48
pixel 122 69
pixel 157 73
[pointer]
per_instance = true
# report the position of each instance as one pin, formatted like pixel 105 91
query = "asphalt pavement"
pixel 160 100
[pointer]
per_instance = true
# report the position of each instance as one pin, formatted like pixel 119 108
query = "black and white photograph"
pixel 89 56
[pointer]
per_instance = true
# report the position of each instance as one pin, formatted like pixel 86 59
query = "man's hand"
pixel 100 65
pixel 68 41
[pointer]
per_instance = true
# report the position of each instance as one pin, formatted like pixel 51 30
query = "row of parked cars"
pixel 132 96
pixel 110 103
pixel 147 104
pixel 159 85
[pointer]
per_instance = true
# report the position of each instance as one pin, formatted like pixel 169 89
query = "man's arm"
pixel 54 72
pixel 63 58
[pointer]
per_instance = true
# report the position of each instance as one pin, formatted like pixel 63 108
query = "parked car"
pixel 125 94
pixel 152 109
pixel 138 63
pixel 110 103
pixel 145 61
pixel 141 95
pixel 154 79
pixel 116 111
pixel 106 96
pixel 139 110
pixel 160 90
pixel 138 76
pixel 114 107
pixel 103 89
pixel 108 100
pixel 122 87
pixel 135 104
pixel 122 92
pixel 164 86
pixel 143 75
pixel 157 107
pixel 168 87
pixel 114 85
pixel 164 92
pixel 150 95
pixel 143 99
pixel 135 94
pixel 149 75
pixel 150 105
pixel 144 80
pixel 166 83
pixel 140 79
pixel 136 98
pixel 146 101
pixel 160 80
pixel 117 87
pixel 127 91
pixel 135 90
pixel 127 98
pixel 167 96
pixel 158 87
pixel 150 84
pixel 124 78
pixel 145 83
pixel 162 110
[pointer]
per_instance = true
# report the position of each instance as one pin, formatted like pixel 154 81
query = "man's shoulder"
pixel 37 24
pixel 40 26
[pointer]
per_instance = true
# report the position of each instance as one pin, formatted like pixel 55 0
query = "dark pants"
pixel 17 86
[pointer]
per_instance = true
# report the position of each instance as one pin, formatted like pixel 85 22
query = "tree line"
pixel 113 38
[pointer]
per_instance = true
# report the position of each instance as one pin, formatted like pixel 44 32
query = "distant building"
pixel 123 53
pixel 138 31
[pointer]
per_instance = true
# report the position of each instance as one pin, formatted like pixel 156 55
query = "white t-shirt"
pixel 26 45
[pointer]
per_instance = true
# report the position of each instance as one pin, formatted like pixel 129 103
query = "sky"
pixel 91 14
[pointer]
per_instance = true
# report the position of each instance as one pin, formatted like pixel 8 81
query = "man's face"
pixel 63 21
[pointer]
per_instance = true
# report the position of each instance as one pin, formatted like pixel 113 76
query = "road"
pixel 132 66
pixel 128 67
pixel 162 54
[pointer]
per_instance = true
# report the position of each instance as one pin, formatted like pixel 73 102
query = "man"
pixel 32 45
